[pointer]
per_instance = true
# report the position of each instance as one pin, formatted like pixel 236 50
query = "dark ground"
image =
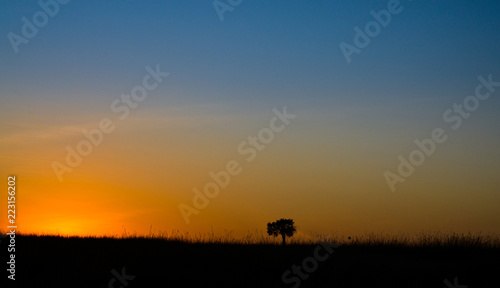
pixel 86 262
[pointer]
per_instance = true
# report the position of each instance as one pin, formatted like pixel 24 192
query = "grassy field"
pixel 180 260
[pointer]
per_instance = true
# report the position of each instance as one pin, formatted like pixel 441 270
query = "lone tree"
pixel 283 227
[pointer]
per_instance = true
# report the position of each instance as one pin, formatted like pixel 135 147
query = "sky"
pixel 220 71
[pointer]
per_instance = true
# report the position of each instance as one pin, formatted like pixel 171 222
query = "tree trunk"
pixel 284 243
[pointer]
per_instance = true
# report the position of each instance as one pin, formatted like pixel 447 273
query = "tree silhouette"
pixel 283 227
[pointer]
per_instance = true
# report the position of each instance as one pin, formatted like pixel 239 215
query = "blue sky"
pixel 278 50
pixel 226 77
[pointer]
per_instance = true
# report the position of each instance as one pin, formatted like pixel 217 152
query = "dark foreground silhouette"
pixel 50 261
pixel 283 227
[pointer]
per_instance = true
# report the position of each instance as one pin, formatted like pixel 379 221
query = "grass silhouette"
pixel 255 260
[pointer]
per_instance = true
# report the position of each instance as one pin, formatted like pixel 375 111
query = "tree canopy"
pixel 283 227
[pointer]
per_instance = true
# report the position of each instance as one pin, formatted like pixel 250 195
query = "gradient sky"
pixel 325 170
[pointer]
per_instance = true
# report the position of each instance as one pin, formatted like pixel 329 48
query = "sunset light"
pixel 243 143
